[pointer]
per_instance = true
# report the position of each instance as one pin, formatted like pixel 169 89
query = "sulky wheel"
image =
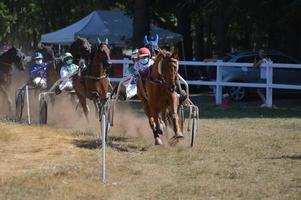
pixel 20 97
pixel 43 111
pixel 193 128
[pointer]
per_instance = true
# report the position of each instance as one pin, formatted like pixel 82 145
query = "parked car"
pixel 251 75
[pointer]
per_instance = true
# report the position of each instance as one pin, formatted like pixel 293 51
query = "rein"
pixel 162 82
pixel 95 77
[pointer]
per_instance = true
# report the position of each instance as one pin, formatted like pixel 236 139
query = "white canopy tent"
pixel 117 26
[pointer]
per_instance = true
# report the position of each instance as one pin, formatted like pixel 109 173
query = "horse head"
pixel 152 45
pixel 17 57
pixel 166 66
pixel 80 47
pixel 103 54
pixel 47 52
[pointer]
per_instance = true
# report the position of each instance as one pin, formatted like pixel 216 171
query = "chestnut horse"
pixel 7 59
pixel 159 95
pixel 94 83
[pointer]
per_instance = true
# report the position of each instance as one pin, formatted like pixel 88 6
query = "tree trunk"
pixel 199 39
pixel 221 29
pixel 184 28
pixel 141 22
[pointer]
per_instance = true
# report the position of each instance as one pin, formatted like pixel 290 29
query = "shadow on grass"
pixel 295 157
pixel 209 110
pixel 213 111
pixel 118 143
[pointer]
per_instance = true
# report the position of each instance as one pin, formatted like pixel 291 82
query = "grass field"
pixel 240 153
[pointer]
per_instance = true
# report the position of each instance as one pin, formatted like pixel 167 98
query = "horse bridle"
pixel 172 87
pixel 101 61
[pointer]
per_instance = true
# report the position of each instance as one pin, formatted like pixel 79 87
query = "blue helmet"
pixel 38 55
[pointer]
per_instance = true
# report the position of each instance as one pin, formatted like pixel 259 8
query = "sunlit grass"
pixel 237 155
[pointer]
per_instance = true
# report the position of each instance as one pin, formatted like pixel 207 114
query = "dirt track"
pixel 235 157
pixel 241 153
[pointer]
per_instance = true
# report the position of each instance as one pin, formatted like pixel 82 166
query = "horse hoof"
pixel 179 135
pixel 158 141
pixel 162 127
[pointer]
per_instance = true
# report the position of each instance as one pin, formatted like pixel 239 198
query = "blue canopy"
pixel 117 26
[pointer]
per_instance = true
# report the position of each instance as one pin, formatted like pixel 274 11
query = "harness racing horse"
pixel 80 48
pixel 7 59
pixel 160 96
pixel 94 83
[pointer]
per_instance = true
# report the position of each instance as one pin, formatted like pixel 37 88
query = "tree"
pixel 141 21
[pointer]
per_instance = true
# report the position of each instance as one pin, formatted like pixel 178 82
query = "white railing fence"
pixel 219 83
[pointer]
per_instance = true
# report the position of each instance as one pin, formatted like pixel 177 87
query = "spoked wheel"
pixel 112 110
pixel 20 97
pixel 194 127
pixel 43 111
pixel 237 93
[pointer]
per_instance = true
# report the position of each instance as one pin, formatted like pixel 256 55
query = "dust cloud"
pixel 129 118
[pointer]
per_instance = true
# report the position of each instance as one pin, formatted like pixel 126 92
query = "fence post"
pixel 125 67
pixel 27 104
pixel 269 89
pixel 219 89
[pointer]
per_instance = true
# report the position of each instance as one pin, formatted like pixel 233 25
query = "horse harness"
pixel 170 88
pixel 84 72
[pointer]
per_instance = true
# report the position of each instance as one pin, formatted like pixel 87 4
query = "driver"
pixel 140 68
pixel 37 72
pixel 66 70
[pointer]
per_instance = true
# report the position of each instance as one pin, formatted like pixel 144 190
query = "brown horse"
pixel 159 95
pixel 94 83
pixel 7 59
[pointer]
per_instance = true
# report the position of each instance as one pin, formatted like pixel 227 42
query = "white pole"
pixel 269 89
pixel 125 67
pixel 27 102
pixel 218 91
pixel 103 132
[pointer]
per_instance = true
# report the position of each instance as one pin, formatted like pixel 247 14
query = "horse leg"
pixel 73 100
pixel 175 117
pixel 7 96
pixel 52 99
pixel 156 126
pixel 83 102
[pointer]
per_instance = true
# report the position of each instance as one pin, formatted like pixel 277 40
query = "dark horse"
pixel 159 96
pixel 94 83
pixel 7 59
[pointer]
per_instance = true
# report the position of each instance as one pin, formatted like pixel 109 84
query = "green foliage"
pixel 5 20
pixel 212 25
